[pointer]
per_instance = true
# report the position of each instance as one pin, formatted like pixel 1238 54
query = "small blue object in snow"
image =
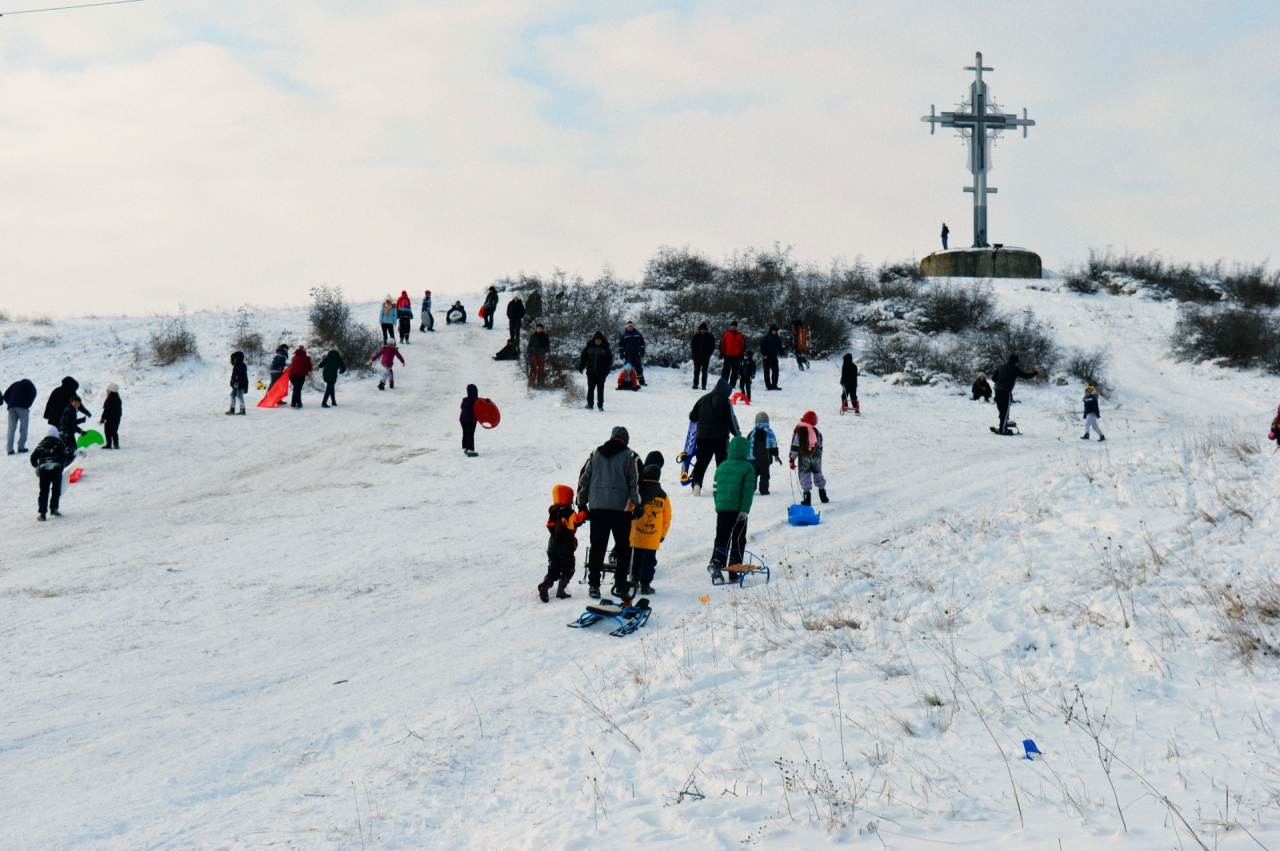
pixel 1030 747
pixel 802 515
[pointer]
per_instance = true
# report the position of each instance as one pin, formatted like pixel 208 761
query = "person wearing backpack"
pixel 806 449
pixel 49 458
pixel 404 313
pixel 763 451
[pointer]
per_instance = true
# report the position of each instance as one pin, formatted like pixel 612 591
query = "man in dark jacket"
pixel 539 347
pixel 849 384
pixel 631 349
pixel 1006 377
pixel 609 491
pixel 331 365
pixel 770 351
pixel 515 316
pixel 597 362
pixel 49 458
pixel 239 381
pixel 299 369
pixel 490 307
pixel 59 399
pixel 732 345
pixel 702 347
pixel 716 421
pixel 19 398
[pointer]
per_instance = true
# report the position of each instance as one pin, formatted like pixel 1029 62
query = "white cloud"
pixel 217 153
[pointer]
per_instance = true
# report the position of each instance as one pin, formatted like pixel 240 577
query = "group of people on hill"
pixel 65 413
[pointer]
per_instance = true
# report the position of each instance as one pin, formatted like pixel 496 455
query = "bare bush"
pixel 1090 367
pixel 677 268
pixel 956 307
pixel 331 322
pixel 1023 335
pixel 571 312
pixel 1252 286
pixel 1237 336
pixel 908 270
pixel 247 339
pixel 173 341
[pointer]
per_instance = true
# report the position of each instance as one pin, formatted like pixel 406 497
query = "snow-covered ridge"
pixel 320 627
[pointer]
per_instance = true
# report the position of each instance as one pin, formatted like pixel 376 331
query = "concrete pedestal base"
pixel 982 263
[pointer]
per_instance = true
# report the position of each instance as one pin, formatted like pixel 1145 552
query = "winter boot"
pixel 542 592
pixel 1101 437
pixel 382 385
pixel 391 386
pixel 241 414
pixel 55 512
pixel 594 592
pixel 40 517
pixel 822 494
pixel 324 404
pixel 806 500
pixel 562 594
pixel 697 490
pixel 229 413
pixel 589 406
pixel 647 590
pixel 1084 436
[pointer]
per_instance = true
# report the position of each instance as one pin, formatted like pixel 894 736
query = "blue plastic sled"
pixel 685 458
pixel 802 515
pixel 750 565
pixel 629 618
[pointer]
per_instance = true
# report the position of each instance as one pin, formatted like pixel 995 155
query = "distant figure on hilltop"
pixel 19 398
pixel 59 399
pixel 1091 414
pixel 770 351
pixel 239 382
pixel 946 231
pixel 299 369
pixel 732 345
pixel 597 362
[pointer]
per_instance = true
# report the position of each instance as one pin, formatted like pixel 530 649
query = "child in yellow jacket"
pixel 649 530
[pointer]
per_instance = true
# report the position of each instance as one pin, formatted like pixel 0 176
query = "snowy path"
pixel 174 644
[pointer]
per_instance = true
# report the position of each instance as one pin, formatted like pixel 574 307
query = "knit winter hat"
pixel 620 433
pixel 655 459
pixel 702 326
pixel 113 388
pixel 652 472
pixel 562 495
pixel 52 432
pixel 773 327
pixel 762 417
pixel 809 417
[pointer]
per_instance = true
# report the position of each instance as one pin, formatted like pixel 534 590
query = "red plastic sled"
pixel 76 474
pixel 276 393
pixel 480 313
pixel 739 397
pixel 487 413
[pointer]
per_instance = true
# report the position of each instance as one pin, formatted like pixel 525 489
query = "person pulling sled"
pixel 806 457
pixel 849 386
pixel 1006 377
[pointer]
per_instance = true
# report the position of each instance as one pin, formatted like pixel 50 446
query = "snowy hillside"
pixel 320 629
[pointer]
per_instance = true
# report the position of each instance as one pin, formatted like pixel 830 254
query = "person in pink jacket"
pixel 387 355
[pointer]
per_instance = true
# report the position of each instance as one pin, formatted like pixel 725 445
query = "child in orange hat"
pixel 562 524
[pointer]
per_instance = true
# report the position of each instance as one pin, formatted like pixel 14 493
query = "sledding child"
pixel 239 381
pixel 806 449
pixel 649 530
pixel 110 419
pixel 628 379
pixel 50 456
pixel 849 385
pixel 468 420
pixel 764 450
pixel 735 486
pixel 1091 414
pixel 562 523
pixel 387 355
pixel 748 373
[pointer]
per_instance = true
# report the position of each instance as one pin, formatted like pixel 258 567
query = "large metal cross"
pixel 980 121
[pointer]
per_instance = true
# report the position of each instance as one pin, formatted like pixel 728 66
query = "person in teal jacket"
pixel 387 318
pixel 735 486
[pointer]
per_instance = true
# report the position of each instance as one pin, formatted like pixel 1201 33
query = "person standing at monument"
pixel 945 232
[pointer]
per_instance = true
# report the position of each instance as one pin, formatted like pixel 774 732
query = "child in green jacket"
pixel 735 485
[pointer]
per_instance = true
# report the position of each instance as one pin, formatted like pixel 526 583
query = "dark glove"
pixel 638 513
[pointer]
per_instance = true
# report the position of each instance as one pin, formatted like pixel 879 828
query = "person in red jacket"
pixel 732 345
pixel 299 369
pixel 387 355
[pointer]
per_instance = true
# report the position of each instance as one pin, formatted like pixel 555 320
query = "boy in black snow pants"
pixel 49 458
pixel 562 524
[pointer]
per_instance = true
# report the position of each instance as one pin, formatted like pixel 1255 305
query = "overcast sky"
pixel 218 153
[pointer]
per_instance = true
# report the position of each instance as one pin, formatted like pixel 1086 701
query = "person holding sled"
pixel 562 524
pixel 628 378
pixel 467 418
pixel 279 363
pixel 716 421
pixel 701 347
pixel 539 348
pixel 770 351
pixel 508 352
pixel 70 421
pixel 735 485
pixel 50 457
pixel 849 385
pixel 112 412
pixel 1091 414
pixel 456 314
pixel 1006 377
pixel 732 345
pixel 330 367
pixel 981 389
pixel 387 317
pixel 631 350
pixel 299 369
pixel 597 362
pixel 387 357
pixel 426 322
pixel 801 331
pixel 649 530
pixel 18 398
pixel 806 457
pixel 490 307
pixel 609 491
pixel 763 450
pixel 748 373
pixel 239 382
pixel 404 313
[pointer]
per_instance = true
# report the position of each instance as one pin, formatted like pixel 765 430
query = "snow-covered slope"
pixel 319 628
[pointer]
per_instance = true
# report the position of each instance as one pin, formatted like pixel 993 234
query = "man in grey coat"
pixel 609 491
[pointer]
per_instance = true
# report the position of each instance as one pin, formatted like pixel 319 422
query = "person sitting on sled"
pixel 806 448
pixel 562 524
pixel 508 352
pixel 628 379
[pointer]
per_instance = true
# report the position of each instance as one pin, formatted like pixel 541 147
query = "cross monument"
pixel 980 121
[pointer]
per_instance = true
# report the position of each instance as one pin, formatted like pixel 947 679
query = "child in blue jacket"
pixel 1091 414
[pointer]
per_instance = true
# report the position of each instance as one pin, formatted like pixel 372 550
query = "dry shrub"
pixel 173 341
pixel 331 322
pixel 1089 367
pixel 1237 336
